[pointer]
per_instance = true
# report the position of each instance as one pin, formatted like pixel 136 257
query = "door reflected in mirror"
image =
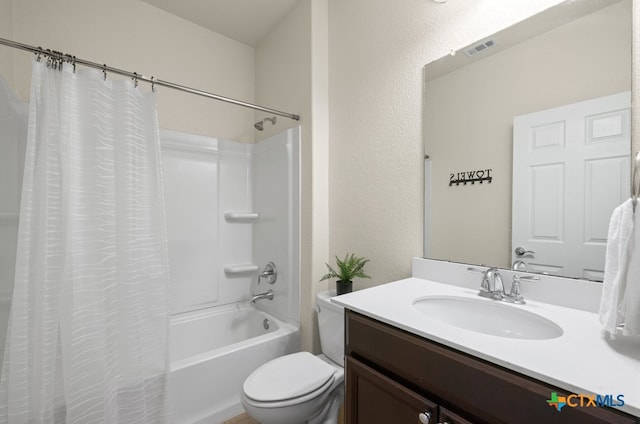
pixel 567 175
pixel 570 171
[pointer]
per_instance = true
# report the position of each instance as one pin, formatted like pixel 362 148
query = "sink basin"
pixel 488 317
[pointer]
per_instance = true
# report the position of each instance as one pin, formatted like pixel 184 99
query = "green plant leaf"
pixel 348 268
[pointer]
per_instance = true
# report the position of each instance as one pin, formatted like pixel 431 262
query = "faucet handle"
pixel 525 277
pixel 269 273
pixel 516 291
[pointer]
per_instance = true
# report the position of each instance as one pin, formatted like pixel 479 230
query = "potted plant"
pixel 348 268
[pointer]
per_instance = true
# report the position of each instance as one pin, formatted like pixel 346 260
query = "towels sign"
pixel 464 177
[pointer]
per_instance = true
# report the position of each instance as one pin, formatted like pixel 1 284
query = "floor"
pixel 245 419
pixel 241 419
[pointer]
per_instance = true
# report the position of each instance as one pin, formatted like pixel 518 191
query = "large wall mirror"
pixel 543 108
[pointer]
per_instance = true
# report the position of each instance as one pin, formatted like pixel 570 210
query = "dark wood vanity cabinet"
pixel 393 377
pixel 375 398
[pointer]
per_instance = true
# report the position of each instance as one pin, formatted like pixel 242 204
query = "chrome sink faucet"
pixel 492 286
pixel 266 295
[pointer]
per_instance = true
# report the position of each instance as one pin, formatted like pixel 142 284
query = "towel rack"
pixel 635 181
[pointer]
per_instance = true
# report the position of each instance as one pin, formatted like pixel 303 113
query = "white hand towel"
pixel 614 303
pixel 630 298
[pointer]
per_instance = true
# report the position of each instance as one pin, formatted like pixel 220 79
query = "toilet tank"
pixel 331 326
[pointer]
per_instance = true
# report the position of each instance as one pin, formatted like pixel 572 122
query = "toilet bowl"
pixel 300 387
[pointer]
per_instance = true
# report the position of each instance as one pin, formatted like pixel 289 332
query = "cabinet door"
pixel 373 398
pixel 448 417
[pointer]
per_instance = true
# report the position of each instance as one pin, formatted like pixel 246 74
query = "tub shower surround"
pixel 231 209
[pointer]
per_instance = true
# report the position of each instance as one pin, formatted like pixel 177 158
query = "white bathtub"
pixel 213 351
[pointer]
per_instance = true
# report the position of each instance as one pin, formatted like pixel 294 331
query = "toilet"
pixel 300 387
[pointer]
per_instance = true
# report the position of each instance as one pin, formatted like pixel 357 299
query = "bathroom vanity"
pixel 403 365
pixel 395 376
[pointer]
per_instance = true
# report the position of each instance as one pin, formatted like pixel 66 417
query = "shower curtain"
pixel 88 332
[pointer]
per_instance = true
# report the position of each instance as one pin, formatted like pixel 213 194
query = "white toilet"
pixel 300 387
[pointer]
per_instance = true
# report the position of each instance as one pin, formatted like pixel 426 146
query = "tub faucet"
pixel 266 295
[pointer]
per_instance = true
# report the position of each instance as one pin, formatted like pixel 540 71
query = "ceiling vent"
pixel 478 48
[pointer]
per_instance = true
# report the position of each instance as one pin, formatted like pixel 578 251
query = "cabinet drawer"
pixel 373 398
pixel 482 390
pixel 448 417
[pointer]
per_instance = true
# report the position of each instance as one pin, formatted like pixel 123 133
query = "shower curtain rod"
pixel 138 77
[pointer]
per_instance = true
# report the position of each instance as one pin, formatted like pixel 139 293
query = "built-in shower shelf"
pixel 241 217
pixel 240 268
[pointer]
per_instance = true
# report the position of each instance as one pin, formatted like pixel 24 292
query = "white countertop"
pixel 579 361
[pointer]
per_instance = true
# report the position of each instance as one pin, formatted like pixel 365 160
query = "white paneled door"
pixel 570 170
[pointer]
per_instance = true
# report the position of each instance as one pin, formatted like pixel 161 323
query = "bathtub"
pixel 213 351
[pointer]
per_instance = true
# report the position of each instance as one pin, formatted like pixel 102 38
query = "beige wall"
pixel 291 74
pixel 469 115
pixel 6 31
pixel 135 36
pixel 377 50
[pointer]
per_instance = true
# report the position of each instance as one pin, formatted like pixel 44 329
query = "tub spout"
pixel 266 295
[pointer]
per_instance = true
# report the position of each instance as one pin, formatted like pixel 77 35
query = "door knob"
pixel 521 251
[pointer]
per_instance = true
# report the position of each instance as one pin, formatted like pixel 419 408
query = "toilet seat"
pixel 288 380
pixel 324 390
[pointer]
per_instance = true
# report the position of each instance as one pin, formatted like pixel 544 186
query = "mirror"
pixel 572 53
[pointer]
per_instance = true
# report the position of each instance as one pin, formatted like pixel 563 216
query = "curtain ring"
pixel 66 58
pixel 153 84
pixel 104 71
pixel 39 54
pixel 135 80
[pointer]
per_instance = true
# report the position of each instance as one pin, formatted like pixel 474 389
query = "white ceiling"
pixel 247 21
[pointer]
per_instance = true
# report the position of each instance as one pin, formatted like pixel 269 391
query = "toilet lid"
pixel 288 377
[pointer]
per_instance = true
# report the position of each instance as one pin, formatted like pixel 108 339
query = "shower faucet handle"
pixel 269 273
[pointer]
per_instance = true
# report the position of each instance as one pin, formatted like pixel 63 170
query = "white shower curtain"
pixel 88 333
